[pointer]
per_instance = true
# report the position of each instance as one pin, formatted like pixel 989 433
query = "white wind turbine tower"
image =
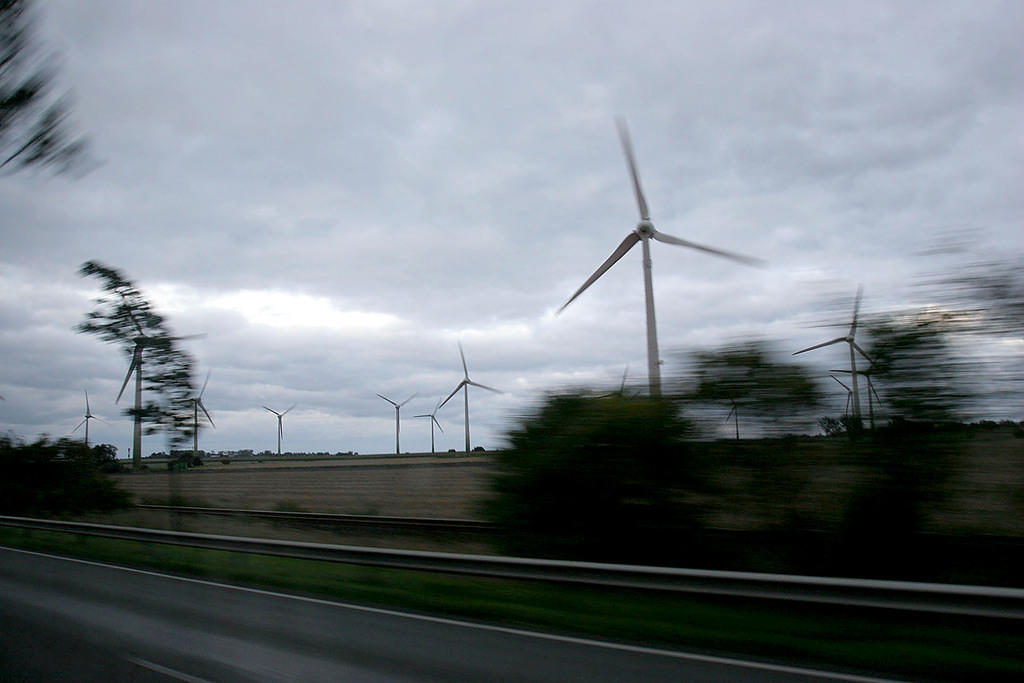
pixel 280 426
pixel 398 411
pixel 197 404
pixel 136 366
pixel 433 421
pixel 643 233
pixel 464 385
pixel 854 349
pixel 85 420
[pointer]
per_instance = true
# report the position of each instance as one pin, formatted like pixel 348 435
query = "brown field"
pixel 812 479
pixel 449 487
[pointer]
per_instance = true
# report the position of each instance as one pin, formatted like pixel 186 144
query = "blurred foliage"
pixel 598 478
pixel 34 130
pixel 914 366
pixel 57 477
pixel 124 317
pixel 623 479
pixel 989 295
pixel 773 395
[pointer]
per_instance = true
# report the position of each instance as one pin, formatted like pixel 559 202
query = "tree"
pixel 124 317
pixel 772 394
pixel 33 119
pixel 604 478
pixel 914 367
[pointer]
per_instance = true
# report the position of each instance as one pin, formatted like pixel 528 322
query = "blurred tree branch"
pixel 34 129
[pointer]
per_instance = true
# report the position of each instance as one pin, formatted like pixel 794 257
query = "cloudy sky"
pixel 336 193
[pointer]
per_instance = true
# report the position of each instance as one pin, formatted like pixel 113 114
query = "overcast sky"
pixel 336 193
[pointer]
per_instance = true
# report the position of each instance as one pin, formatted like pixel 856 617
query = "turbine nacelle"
pixel 645 228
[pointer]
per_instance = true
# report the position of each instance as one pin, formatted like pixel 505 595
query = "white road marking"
pixel 152 666
pixel 639 649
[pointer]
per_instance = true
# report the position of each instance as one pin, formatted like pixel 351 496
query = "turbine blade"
pixel 437 423
pixel 272 410
pixel 408 399
pixel 131 369
pixel 204 383
pixel 454 391
pixel 862 351
pixel 205 412
pixel 627 148
pixel 188 336
pixel 87 411
pixel 289 409
pixel 132 316
pixel 669 239
pixel 626 244
pixel 856 310
pixel 388 400
pixel 841 382
pixel 818 346
pixel 79 425
pixel 465 370
pixel 477 384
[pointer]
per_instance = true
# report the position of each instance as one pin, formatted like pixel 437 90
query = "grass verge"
pixel 936 647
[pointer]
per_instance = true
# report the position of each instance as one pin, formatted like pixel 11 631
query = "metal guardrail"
pixel 417 523
pixel 1007 603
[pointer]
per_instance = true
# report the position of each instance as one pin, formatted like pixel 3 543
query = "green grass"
pixel 887 642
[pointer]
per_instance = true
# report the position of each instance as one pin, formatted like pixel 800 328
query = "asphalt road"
pixel 64 619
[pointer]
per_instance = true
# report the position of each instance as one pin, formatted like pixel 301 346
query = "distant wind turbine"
pixel 464 385
pixel 136 366
pixel 197 404
pixel 85 421
pixel 280 426
pixel 398 411
pixel 849 393
pixel 735 413
pixel 849 339
pixel 871 391
pixel 433 421
pixel 643 233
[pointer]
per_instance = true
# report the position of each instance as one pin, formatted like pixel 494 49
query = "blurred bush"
pixel 57 477
pixel 605 478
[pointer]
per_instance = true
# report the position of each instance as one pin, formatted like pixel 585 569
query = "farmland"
pixel 411 486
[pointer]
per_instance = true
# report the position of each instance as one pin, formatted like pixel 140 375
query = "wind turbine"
pixel 849 392
pixel 280 426
pixel 197 404
pixel 849 339
pixel 871 390
pixel 398 410
pixel 136 366
pixel 643 233
pixel 433 421
pixel 464 385
pixel 85 421
pixel 735 412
